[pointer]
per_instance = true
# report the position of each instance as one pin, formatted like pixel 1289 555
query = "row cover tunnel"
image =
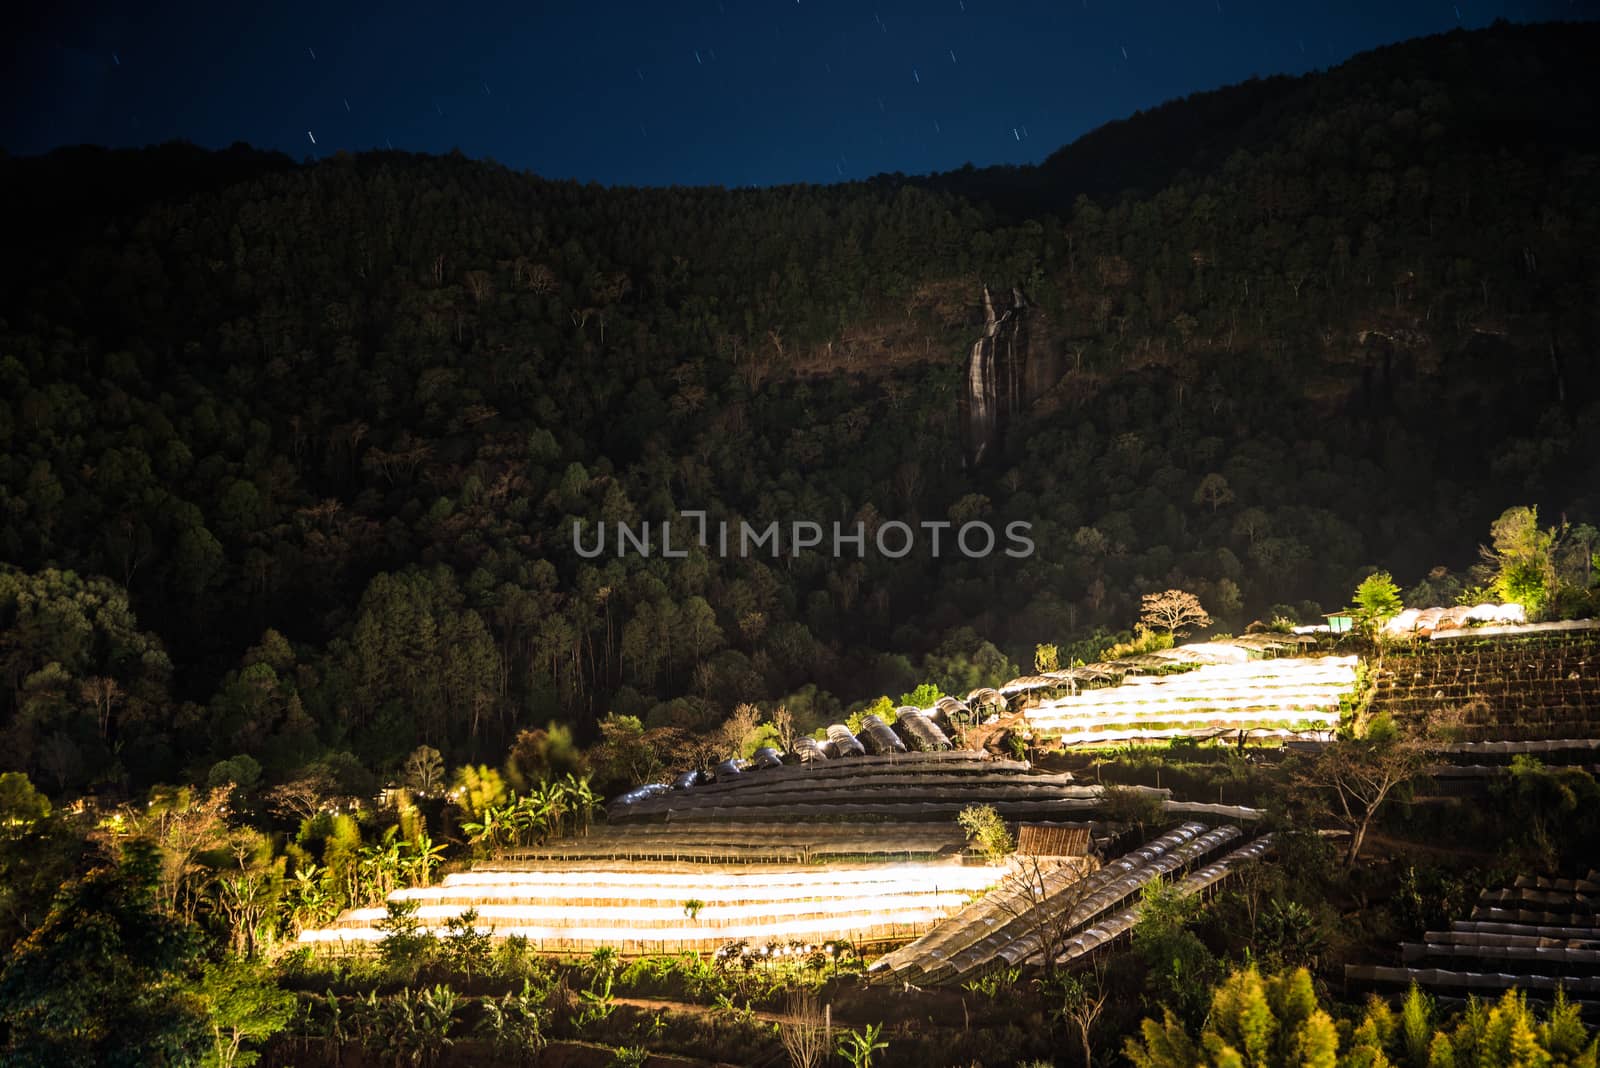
pixel 918 731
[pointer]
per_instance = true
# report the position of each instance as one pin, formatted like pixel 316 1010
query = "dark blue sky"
pixel 729 92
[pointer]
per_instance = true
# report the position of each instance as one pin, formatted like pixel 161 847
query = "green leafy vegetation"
pixel 859 1048
pixel 326 505
pixel 987 832
pixel 1377 601
pixel 1277 1020
pixel 291 614
pixel 102 979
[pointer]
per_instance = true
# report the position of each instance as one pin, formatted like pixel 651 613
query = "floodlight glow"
pixel 571 908
pixel 1268 697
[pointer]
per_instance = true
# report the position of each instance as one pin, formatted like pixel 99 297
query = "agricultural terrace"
pixel 1066 912
pixel 1530 684
pixel 1279 698
pixel 851 845
pixel 863 850
pixel 1539 935
pixel 855 839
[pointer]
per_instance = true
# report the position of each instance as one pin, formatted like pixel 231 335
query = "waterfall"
pixel 983 398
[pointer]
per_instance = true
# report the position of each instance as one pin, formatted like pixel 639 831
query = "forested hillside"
pixel 312 437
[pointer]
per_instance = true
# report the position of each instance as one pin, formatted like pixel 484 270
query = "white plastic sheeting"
pixel 1428 620
pixel 645 911
pixel 1282 696
pixel 1003 925
pixel 1108 931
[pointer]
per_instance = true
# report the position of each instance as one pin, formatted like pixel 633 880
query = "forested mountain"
pixel 312 437
pixel 1506 90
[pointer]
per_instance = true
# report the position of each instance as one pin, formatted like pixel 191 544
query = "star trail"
pixel 741 92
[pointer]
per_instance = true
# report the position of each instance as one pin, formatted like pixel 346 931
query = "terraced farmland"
pixel 639 907
pixel 745 842
pixel 1500 688
pixel 906 787
pixel 1284 697
pixel 865 849
pixel 1004 927
pixel 1104 932
pixel 1537 935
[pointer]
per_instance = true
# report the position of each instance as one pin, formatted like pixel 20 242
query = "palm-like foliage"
pixel 603 962
pixel 629 1056
pixel 527 819
pixel 596 1000
pixel 435 1014
pixel 328 1024
pixel 492 829
pixel 857 1047
pixel 515 1024
pixel 378 867
pixel 581 800
pixel 531 818
pixel 311 904
pixel 552 799
pixel 419 858
pixel 365 1018
pixel 408 1027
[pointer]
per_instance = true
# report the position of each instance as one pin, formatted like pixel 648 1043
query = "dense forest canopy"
pixel 290 454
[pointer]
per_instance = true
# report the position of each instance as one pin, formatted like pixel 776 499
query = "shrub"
pixel 987 831
pixel 405 947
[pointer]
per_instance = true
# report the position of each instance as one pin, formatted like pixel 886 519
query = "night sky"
pixel 727 92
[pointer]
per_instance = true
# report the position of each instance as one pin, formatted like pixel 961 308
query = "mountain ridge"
pixel 341 418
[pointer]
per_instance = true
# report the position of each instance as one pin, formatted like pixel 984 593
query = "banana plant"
pixel 488 832
pixel 421 857
pixel 527 820
pixel 515 1023
pixel 310 902
pixel 378 866
pixel 857 1047
pixel 494 1022
pixel 366 1017
pixel 330 1027
pixel 603 962
pixel 396 1035
pixel 597 1004
pixel 514 819
pixel 552 803
pixel 596 1000
pixel 582 801
pixel 435 1013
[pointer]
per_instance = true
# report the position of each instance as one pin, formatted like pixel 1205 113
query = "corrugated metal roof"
pixel 1053 839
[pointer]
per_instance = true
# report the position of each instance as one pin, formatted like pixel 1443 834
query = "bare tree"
pixel 424 770
pixel 301 798
pixel 1351 779
pixel 184 826
pixel 1044 894
pixel 1174 611
pixel 243 892
pixel 1252 886
pixel 479 285
pixel 1083 999
pixel 806 1033
pixel 783 724
pixel 541 279
pixel 103 693
pixel 737 727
